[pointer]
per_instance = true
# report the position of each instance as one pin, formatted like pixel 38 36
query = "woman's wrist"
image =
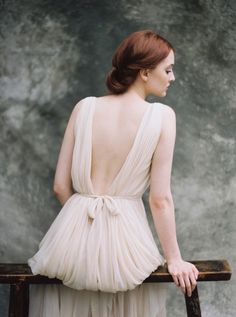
pixel 174 259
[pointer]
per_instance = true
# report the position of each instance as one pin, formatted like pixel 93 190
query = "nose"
pixel 172 76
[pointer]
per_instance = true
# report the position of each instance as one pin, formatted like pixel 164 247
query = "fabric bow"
pixel 99 202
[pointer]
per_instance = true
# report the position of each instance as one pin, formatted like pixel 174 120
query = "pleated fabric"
pixel 101 246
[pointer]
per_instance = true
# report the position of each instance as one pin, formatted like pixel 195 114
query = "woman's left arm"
pixel 62 186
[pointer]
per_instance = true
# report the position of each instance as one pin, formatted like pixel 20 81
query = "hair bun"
pixel 114 83
pixel 140 50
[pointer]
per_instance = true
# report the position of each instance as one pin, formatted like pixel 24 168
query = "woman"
pixel 115 147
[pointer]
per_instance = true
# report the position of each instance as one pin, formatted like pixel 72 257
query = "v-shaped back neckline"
pixel 130 152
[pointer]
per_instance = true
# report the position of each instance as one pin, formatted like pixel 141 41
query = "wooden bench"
pixel 19 276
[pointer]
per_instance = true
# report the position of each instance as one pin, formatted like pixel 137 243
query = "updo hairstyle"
pixel 140 50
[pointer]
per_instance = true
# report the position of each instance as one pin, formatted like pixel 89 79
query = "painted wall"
pixel 52 54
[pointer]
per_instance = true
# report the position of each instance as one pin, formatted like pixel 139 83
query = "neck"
pixel 134 92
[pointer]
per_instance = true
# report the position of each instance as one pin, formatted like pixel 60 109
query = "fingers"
pixel 187 282
pixel 188 285
pixel 196 272
pixel 193 281
pixel 182 283
pixel 184 277
pixel 175 278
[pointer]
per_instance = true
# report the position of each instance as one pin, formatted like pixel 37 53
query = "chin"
pixel 159 94
pixel 163 94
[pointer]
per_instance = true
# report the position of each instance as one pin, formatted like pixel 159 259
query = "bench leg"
pixel 193 304
pixel 19 300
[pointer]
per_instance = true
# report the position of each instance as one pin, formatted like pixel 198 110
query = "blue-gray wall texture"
pixel 53 53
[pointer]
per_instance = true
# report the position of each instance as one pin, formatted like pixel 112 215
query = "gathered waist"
pixel 109 201
pixel 133 197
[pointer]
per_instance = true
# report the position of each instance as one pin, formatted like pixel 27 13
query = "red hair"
pixel 140 50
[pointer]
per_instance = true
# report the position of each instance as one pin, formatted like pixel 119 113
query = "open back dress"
pixel 101 246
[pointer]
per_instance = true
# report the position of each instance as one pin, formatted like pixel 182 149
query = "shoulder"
pixel 165 109
pixel 168 113
pixel 168 121
pixel 76 109
pixel 80 103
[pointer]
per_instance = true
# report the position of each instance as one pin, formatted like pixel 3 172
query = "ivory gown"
pixel 102 263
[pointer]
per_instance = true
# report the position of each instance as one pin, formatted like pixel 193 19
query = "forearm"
pixel 164 220
pixel 63 195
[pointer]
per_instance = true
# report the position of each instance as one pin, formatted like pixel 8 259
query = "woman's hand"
pixel 184 275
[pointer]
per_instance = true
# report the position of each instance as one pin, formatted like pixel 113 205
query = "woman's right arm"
pixel 162 206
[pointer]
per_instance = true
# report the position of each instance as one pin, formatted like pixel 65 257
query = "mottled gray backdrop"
pixel 53 53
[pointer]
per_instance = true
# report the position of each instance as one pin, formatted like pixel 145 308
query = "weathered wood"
pixel 213 270
pixel 193 304
pixel 19 300
pixel 19 276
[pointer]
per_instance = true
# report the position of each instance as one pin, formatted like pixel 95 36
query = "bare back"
pixel 115 122
pixel 114 128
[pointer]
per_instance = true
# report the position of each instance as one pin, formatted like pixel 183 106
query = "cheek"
pixel 165 78
pixel 159 79
pixel 162 78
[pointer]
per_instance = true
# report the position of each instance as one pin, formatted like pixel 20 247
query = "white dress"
pixel 102 263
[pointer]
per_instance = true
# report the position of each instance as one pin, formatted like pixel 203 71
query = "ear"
pixel 144 74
